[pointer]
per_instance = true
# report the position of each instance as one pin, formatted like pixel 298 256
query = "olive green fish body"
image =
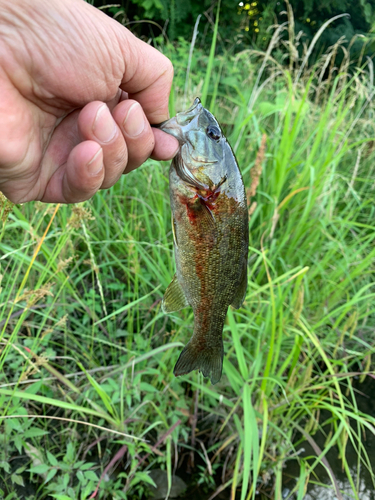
pixel 210 226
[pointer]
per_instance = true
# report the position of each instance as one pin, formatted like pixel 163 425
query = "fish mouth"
pixel 182 122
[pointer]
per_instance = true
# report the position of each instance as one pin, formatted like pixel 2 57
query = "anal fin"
pixel 174 298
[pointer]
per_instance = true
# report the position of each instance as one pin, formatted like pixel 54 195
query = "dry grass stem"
pixel 79 214
pixel 256 171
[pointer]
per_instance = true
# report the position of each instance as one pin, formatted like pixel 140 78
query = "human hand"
pixel 78 92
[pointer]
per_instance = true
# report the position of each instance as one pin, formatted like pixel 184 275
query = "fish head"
pixel 199 134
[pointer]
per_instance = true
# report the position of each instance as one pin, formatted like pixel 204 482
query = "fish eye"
pixel 213 132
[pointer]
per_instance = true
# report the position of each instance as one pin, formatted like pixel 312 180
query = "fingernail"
pixel 104 126
pixel 95 165
pixel 134 123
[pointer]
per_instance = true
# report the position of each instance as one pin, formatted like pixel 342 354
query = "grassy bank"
pixel 87 395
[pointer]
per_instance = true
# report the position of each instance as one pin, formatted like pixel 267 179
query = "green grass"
pixel 86 355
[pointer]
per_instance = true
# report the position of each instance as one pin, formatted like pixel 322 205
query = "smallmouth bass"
pixel 210 234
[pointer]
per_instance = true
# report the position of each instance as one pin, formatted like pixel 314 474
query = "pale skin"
pixel 78 95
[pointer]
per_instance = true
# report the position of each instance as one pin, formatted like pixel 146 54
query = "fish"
pixel 210 236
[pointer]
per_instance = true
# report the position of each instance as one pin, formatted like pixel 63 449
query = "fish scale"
pixel 211 236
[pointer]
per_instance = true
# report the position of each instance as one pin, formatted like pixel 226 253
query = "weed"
pixel 88 401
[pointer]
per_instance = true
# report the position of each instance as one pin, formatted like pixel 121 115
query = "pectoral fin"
pixel 241 290
pixel 174 298
pixel 208 217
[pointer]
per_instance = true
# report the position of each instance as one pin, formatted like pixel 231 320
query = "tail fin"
pixel 209 361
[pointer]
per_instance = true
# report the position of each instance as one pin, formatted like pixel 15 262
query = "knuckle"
pixel 84 191
pixel 169 69
pixel 13 198
pixel 114 167
pixel 117 162
pixel 139 156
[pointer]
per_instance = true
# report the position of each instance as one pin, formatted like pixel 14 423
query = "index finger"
pixel 148 78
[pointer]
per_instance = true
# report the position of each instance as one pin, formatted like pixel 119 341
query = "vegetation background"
pixel 243 24
pixel 89 405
